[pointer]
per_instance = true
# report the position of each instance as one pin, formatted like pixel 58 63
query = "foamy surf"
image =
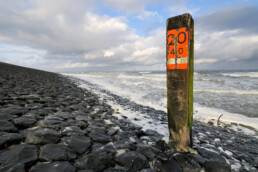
pixel 213 94
pixel 243 74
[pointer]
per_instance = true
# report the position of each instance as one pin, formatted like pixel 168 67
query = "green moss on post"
pixel 180 55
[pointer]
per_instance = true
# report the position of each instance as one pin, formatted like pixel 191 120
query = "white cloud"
pixel 66 34
pixel 73 65
pixel 108 53
pixel 198 61
pixel 229 45
pixel 50 27
pixel 128 6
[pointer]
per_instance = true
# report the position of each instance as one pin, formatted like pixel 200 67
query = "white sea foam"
pixel 242 74
pixel 83 75
pixel 205 114
pixel 252 92
pixel 125 76
pixel 134 83
pixel 145 123
pixel 144 72
pixel 140 83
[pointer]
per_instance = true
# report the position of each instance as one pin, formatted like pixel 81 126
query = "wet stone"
pixel 12 167
pixel 7 139
pixel 94 161
pixel 94 128
pixel 72 131
pixel 112 131
pixel 211 155
pixel 34 115
pixel 116 169
pixel 149 151
pixel 217 166
pixel 126 135
pixel 56 166
pixel 125 144
pixel 29 97
pixel 149 170
pixel 65 115
pixel 24 121
pixel 108 148
pixel 188 168
pixel 134 127
pixel 162 145
pixel 79 144
pixel 83 118
pixel 51 152
pixel 7 116
pixel 7 126
pixel 170 165
pixel 133 160
pixel 45 111
pixel 96 146
pixel 53 123
pixel 13 110
pixel 100 137
pixel 42 136
pixel 80 124
pixel 23 154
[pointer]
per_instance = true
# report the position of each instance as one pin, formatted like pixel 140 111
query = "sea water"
pixel 231 93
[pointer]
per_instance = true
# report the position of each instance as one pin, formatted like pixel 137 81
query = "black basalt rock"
pixel 42 136
pixel 72 131
pixel 149 151
pixel 7 139
pixel 24 122
pixel 94 161
pixel 20 154
pixel 133 160
pixel 56 166
pixel 13 167
pixel 51 152
pixel 79 144
pixel 211 155
pixel 7 126
pixel 100 137
pixel 217 166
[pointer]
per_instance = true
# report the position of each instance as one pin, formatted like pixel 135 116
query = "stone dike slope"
pixel 48 123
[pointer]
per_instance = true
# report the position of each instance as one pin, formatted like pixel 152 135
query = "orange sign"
pixel 177 47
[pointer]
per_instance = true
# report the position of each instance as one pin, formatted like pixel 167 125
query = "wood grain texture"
pixel 180 90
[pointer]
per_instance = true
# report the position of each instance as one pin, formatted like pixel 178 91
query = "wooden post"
pixel 180 55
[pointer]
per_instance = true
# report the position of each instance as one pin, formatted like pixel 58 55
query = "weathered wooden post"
pixel 180 55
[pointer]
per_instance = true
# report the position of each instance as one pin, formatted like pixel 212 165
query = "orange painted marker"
pixel 177 46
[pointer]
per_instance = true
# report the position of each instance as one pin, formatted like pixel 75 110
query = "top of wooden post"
pixel 176 22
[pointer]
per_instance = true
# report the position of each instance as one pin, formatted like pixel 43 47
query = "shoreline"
pixel 201 136
pixel 239 122
pixel 42 112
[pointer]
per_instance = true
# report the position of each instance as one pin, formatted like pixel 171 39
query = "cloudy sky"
pixel 115 35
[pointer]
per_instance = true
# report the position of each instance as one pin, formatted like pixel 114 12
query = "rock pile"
pixel 47 123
